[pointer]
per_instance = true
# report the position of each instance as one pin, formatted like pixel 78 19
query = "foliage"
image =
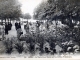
pixel 63 10
pixel 27 16
pixel 9 9
pixel 46 41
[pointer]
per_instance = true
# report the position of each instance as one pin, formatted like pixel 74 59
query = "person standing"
pixel 6 28
pixel 37 26
pixel 19 25
pixel 16 25
pixel 9 25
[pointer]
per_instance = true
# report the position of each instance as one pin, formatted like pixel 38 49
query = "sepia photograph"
pixel 39 28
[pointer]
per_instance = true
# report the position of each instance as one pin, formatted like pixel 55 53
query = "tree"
pixel 9 9
pixel 64 10
pixel 47 11
pixel 44 11
pixel 70 10
pixel 27 16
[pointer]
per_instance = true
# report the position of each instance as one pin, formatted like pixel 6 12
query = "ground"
pixel 13 32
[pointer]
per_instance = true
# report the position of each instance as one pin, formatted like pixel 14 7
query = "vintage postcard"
pixel 39 29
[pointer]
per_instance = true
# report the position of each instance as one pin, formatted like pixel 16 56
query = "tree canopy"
pixel 27 16
pixel 9 9
pixel 58 9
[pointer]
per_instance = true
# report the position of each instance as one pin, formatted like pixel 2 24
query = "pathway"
pixel 13 32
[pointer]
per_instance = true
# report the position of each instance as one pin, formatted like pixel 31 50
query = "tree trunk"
pixel 5 20
pixel 2 21
pixel 10 20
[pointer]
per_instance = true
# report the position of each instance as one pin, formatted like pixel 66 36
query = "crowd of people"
pixel 8 27
pixel 17 25
pixel 42 42
pixel 18 29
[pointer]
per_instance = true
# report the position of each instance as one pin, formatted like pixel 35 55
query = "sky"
pixel 28 6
